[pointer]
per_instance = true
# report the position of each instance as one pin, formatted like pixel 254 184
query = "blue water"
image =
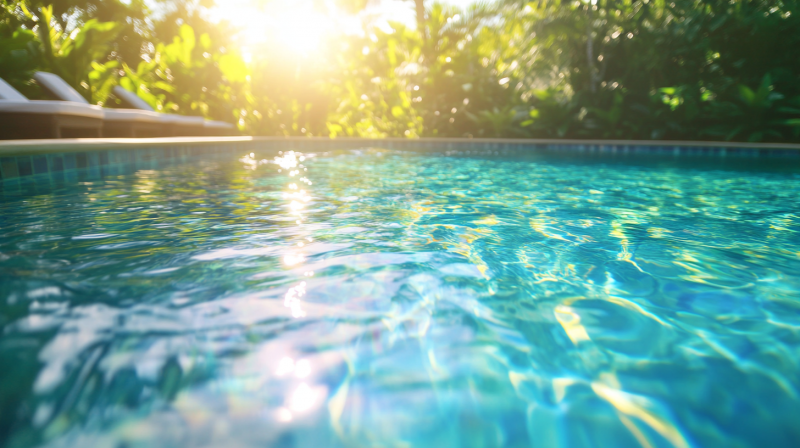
pixel 384 299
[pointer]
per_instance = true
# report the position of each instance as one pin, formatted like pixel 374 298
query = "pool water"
pixel 387 299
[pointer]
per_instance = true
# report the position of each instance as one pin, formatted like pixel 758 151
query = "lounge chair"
pixel 116 122
pixel 120 121
pixel 22 118
pixel 179 125
pixel 210 127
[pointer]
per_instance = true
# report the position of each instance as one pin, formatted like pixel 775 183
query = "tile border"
pixel 46 159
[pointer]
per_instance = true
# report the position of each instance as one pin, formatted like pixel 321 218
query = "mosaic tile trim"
pixel 99 163
pixel 479 146
pixel 95 164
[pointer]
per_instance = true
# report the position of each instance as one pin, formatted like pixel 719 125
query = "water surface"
pixel 385 299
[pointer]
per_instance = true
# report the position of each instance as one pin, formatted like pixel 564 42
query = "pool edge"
pixel 26 147
pixel 30 159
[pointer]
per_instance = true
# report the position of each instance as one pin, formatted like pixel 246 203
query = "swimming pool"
pixel 382 298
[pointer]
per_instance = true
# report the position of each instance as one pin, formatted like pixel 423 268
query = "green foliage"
pixel 376 89
pixel 17 57
pixel 18 48
pixel 189 76
pixel 600 69
pixel 71 53
pixel 652 69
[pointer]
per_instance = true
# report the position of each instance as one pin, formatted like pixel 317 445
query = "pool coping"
pixel 27 147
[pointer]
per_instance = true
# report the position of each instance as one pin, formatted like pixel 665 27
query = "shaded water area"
pixel 385 299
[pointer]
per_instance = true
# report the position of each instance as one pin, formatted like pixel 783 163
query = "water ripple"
pixel 390 299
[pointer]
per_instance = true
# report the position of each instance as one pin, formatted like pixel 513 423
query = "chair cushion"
pixel 9 93
pixel 131 115
pixel 131 99
pixel 218 125
pixel 183 120
pixel 51 108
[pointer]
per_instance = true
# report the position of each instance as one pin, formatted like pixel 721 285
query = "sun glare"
pixel 300 31
pixel 294 27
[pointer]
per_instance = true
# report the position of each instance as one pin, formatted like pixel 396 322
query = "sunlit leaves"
pixel 18 57
pixel 184 77
pixel 185 46
pixel 233 67
pixel 70 53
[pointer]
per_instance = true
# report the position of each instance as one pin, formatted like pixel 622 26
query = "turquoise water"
pixel 384 299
